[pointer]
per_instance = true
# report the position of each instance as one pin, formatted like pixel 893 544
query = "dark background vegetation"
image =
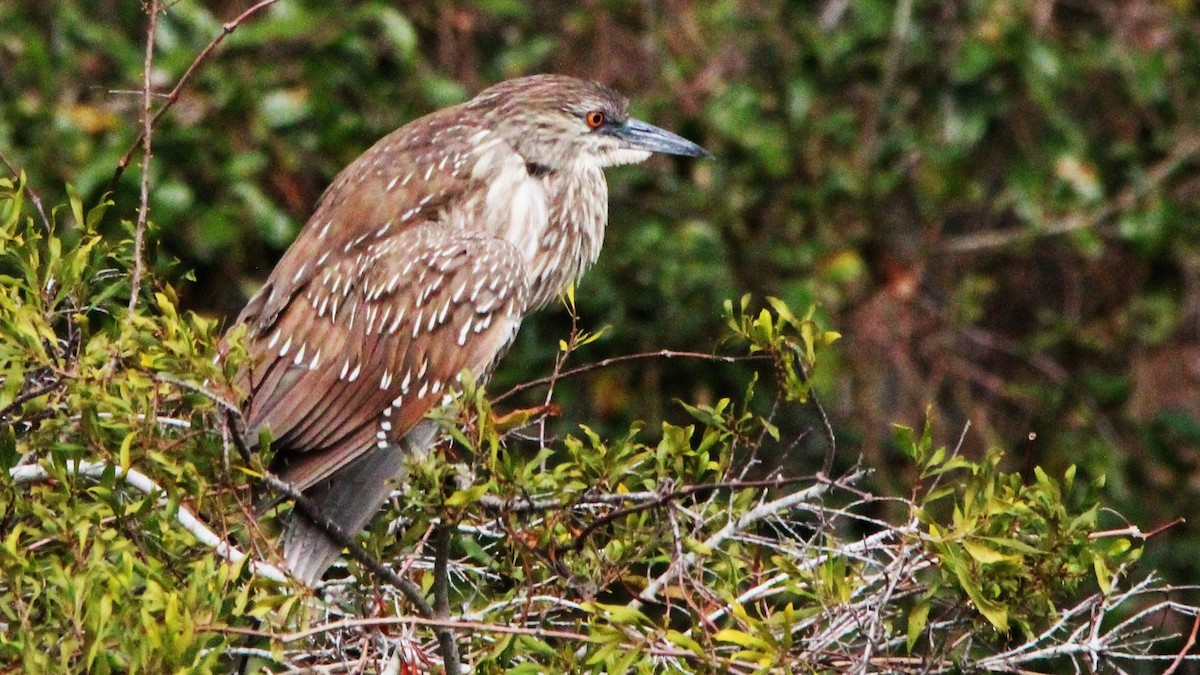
pixel 995 202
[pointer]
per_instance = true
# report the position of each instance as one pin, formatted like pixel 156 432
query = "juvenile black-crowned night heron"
pixel 421 260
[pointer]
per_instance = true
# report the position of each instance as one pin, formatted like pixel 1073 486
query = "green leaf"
pixel 995 613
pixel 1103 574
pixel 741 639
pixel 620 614
pixel 985 555
pixel 681 640
pixel 917 620
pixel 76 206
pixel 467 496
pixel 124 453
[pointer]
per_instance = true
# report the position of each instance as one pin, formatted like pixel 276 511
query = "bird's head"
pixel 555 121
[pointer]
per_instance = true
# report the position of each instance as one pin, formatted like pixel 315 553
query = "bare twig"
pixel 139 233
pixel 1184 151
pixel 560 360
pixel 211 395
pixel 29 395
pixel 465 626
pixel 1187 647
pixel 526 504
pixel 605 363
pixel 826 425
pixel 1136 532
pixel 660 500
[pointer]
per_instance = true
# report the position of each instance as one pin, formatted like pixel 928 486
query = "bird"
pixel 419 262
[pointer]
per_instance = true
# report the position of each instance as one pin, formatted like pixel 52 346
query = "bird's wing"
pixel 409 177
pixel 378 337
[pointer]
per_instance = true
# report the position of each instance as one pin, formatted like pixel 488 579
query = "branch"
pixel 1187 647
pixel 867 545
pixel 466 626
pixel 605 363
pixel 28 395
pixel 520 505
pixel 826 425
pixel 34 473
pixel 1120 642
pixel 1187 148
pixel 211 395
pixel 441 597
pixel 307 508
pixel 552 600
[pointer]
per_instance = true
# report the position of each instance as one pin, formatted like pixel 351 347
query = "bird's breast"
pixel 554 218
pixel 514 207
pixel 570 244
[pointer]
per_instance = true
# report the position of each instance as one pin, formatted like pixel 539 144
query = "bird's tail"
pixel 350 498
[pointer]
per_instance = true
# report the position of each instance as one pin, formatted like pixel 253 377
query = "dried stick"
pixel 660 500
pixel 344 624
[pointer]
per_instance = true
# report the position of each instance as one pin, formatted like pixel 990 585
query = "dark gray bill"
pixel 642 136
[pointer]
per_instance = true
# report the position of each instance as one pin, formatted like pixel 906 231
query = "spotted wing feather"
pixel 407 178
pixel 377 340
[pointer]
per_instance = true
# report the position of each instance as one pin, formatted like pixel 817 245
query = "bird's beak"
pixel 639 135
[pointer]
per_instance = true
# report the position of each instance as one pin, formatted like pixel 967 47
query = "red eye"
pixel 594 119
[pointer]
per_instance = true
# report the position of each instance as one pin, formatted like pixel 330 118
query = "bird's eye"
pixel 594 119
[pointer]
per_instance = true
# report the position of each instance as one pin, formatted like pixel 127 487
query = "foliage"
pixel 84 380
pixel 993 201
pixel 1016 550
pixel 583 554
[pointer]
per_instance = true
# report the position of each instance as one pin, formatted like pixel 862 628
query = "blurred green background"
pixel 996 202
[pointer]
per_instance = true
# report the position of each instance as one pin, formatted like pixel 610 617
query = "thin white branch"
pixel 732 528
pixel 481 615
pixel 34 473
